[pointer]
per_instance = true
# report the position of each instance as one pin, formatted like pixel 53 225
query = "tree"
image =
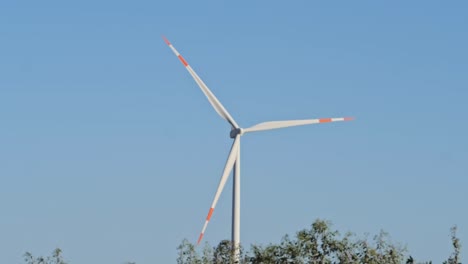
pixel 55 258
pixel 319 244
pixel 187 253
pixel 455 257
pixel 222 253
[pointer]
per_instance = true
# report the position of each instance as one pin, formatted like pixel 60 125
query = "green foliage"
pixel 187 253
pixel 455 257
pixel 319 244
pixel 55 258
pixel 208 253
pixel 222 253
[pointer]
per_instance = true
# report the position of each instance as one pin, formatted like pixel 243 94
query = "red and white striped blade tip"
pixel 199 239
pixel 166 40
pixel 327 120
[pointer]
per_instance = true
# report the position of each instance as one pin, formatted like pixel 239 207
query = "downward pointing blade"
pixel 227 171
pixel 290 123
pixel 219 108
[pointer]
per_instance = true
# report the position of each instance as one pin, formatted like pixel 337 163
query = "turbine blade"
pixel 290 123
pixel 227 171
pixel 219 108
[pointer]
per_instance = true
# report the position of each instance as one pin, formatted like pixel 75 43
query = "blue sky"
pixel 109 150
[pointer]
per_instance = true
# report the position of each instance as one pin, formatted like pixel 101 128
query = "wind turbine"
pixel 233 160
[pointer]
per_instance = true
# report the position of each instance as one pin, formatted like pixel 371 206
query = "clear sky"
pixel 109 150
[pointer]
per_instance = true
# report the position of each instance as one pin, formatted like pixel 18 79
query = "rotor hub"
pixel 236 131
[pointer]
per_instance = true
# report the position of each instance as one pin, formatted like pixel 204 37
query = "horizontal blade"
pixel 219 108
pixel 290 123
pixel 227 171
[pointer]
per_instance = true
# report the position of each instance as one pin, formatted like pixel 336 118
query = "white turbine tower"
pixel 233 161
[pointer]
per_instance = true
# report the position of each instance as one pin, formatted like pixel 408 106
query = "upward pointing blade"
pixel 219 108
pixel 227 171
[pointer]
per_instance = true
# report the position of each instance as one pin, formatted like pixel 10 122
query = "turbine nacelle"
pixel 236 131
